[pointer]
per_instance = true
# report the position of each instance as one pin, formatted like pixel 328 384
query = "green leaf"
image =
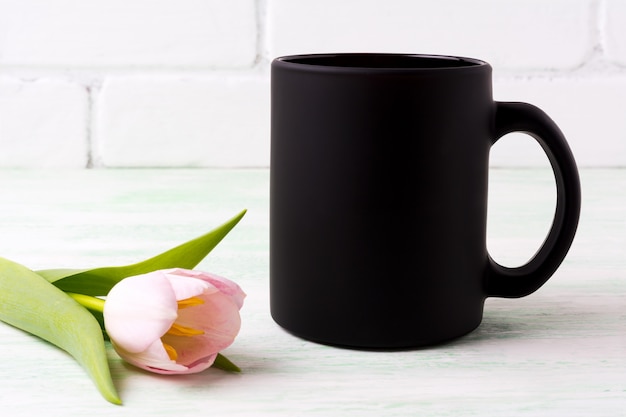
pixel 99 281
pixel 223 363
pixel 30 303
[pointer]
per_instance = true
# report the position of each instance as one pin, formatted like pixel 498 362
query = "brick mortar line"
pixel 89 128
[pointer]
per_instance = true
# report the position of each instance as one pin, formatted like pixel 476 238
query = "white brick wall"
pixel 43 123
pixel 512 34
pixel 111 83
pixel 173 121
pixel 615 15
pixel 127 33
pixel 590 111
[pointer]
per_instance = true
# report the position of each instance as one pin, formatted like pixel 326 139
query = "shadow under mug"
pixel 378 197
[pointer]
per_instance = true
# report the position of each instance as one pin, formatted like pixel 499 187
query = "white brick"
pixel 615 11
pixel 43 124
pixel 509 34
pixel 590 112
pixel 121 33
pixel 164 121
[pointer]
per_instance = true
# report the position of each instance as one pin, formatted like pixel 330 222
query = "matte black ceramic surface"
pixel 378 206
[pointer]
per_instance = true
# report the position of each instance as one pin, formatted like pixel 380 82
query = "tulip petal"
pixel 153 359
pixel 218 318
pixel 201 364
pixel 185 287
pixel 139 310
pixel 224 285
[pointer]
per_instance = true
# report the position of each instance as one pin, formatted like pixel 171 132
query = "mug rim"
pixel 375 62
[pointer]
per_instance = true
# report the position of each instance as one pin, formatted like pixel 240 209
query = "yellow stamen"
pixel 171 352
pixel 178 330
pixel 190 302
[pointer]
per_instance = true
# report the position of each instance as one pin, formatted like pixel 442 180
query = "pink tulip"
pixel 173 321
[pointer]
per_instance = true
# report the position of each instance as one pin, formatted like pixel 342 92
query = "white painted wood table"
pixel 559 351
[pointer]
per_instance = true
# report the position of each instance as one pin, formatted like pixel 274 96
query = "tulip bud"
pixel 173 321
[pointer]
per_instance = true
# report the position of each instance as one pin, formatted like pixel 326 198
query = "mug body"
pixel 378 197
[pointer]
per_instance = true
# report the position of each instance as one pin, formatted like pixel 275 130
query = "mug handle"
pixel 503 281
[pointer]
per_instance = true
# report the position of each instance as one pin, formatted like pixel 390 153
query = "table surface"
pixel 559 351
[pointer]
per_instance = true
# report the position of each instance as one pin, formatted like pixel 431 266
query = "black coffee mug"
pixel 378 197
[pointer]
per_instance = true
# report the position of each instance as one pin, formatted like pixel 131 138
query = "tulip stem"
pixel 92 303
